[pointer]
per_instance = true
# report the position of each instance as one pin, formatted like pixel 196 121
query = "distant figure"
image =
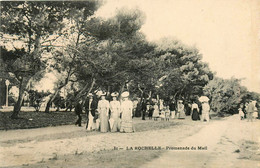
pixel 126 108
pixel 90 109
pixel 180 109
pixel 150 112
pixel 172 109
pixel 144 108
pixel 205 111
pixel 167 113
pixel 103 109
pixel 255 114
pixel 78 111
pixel 250 110
pixel 115 109
pixel 155 111
pixel 195 111
pixel 240 112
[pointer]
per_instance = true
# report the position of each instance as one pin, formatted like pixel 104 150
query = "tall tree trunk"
pixel 47 108
pixel 22 87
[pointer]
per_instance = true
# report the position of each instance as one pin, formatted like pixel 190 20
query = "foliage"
pixel 224 94
pixel 36 98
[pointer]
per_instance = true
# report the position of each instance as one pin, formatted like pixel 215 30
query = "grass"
pixel 36 120
pixel 106 158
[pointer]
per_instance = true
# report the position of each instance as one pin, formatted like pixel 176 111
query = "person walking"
pixel 103 109
pixel 172 108
pixel 205 111
pixel 144 108
pixel 90 109
pixel 126 108
pixel 115 109
pixel 181 112
pixel 156 111
pixel 195 111
pixel 78 111
pixel 250 110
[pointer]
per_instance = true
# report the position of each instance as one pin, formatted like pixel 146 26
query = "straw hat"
pixel 125 94
pixel 114 94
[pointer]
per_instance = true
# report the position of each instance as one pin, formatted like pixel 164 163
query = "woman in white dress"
pixel 205 111
pixel 126 108
pixel 115 109
pixel 103 109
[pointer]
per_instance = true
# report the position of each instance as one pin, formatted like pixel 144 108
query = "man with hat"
pixel 90 108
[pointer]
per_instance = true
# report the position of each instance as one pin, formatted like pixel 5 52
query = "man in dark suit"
pixel 78 111
pixel 90 108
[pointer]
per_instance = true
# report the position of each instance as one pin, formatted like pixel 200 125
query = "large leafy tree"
pixel 184 74
pixel 36 25
pixel 224 94
pixel 65 60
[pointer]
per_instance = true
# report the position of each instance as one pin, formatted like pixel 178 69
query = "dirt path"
pixel 21 148
pixel 223 143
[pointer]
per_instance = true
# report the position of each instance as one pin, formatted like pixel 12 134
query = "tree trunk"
pixel 17 107
pixel 47 108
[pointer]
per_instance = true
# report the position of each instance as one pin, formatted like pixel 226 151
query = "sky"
pixel 225 31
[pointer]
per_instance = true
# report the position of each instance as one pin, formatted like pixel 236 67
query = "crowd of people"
pixel 248 110
pixel 117 116
pixel 107 116
pixel 169 110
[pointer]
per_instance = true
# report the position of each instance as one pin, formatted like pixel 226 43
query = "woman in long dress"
pixel 205 111
pixel 195 112
pixel 115 109
pixel 126 108
pixel 103 109
pixel 156 112
pixel 181 111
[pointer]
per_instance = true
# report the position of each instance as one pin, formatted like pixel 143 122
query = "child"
pixel 240 112
pixel 150 114
pixel 162 115
pixel 167 113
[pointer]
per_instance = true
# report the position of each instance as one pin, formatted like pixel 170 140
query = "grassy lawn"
pixel 36 120
pixel 40 119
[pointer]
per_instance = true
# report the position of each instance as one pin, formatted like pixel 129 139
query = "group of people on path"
pixel 248 110
pixel 105 116
pixel 165 111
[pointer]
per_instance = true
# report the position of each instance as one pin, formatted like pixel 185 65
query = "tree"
pixel 37 25
pixel 65 61
pixel 183 73
pixel 225 94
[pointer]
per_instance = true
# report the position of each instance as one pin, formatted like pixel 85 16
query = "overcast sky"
pixel 225 31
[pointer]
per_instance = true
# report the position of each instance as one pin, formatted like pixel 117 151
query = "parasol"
pixel 111 122
pixel 203 99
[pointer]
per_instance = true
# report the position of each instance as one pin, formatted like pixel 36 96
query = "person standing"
pixel 90 109
pixel 205 111
pixel 250 110
pixel 172 108
pixel 144 108
pixel 78 111
pixel 181 112
pixel 126 109
pixel 115 109
pixel 156 111
pixel 195 111
pixel 103 109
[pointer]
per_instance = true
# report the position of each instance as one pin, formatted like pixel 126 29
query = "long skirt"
pixel 103 122
pixel 195 115
pixel 181 115
pixel 116 125
pixel 127 126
